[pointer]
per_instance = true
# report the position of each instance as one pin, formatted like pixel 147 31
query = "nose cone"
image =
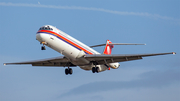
pixel 38 37
pixel 42 37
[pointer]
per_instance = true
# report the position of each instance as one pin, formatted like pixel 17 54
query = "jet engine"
pixel 114 65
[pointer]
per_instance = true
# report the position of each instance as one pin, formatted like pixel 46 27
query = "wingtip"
pixel 173 53
pixel 4 64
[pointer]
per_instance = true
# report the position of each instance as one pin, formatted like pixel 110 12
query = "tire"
pixel 93 70
pixel 66 71
pixel 43 48
pixel 70 71
pixel 97 69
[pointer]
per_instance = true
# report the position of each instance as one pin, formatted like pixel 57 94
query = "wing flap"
pixel 58 61
pixel 112 60
pixel 55 64
pixel 104 59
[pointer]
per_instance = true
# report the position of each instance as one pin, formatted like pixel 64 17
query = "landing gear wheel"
pixel 93 69
pixel 68 71
pixel 97 69
pixel 43 48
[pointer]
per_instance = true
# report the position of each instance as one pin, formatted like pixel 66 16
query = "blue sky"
pixel 154 22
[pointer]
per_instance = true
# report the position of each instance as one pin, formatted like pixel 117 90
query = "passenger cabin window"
pixel 45 28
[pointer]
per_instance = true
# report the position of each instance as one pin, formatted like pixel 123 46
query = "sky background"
pixel 154 22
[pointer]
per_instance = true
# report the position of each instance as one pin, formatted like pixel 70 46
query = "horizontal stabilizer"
pixel 117 44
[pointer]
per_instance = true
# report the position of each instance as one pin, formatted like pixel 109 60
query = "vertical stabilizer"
pixel 108 48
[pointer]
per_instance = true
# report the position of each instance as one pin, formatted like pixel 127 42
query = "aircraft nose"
pixel 38 37
pixel 42 37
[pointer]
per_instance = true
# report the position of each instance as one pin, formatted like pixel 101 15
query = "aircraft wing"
pixel 104 59
pixel 58 61
pixel 97 58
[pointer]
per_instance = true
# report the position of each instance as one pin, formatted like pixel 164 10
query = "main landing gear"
pixel 68 71
pixel 95 69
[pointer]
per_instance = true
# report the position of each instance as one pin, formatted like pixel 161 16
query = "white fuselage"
pixel 68 46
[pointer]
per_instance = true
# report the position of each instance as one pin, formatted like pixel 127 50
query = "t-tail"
pixel 108 48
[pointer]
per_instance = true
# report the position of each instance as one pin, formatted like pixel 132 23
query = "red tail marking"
pixel 108 48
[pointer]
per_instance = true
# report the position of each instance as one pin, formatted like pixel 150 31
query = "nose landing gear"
pixel 43 47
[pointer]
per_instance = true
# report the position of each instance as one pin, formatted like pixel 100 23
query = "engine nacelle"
pixel 114 65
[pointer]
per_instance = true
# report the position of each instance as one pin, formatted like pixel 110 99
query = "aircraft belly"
pixel 80 62
pixel 87 67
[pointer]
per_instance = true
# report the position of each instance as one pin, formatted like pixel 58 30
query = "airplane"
pixel 78 54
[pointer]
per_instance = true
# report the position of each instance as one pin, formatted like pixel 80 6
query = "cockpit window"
pixel 45 28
